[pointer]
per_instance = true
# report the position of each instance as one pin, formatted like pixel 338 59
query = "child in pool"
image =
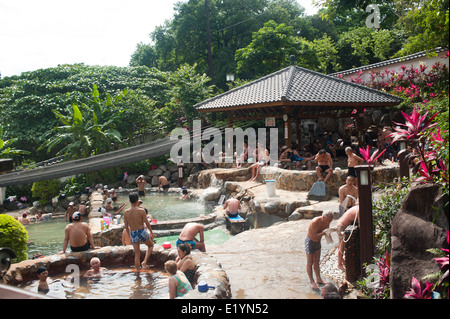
pixel 178 283
pixel 96 269
pixel 43 285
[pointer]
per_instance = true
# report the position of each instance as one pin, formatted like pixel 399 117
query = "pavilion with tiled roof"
pixel 298 93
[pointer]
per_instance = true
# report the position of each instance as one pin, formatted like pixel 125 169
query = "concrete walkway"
pixel 269 263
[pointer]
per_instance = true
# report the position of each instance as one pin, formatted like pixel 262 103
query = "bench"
pixel 236 224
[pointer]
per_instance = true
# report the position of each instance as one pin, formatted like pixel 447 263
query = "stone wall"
pixel 290 180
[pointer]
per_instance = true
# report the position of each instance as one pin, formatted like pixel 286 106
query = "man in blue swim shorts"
pixel 136 223
pixel 187 236
pixel 312 246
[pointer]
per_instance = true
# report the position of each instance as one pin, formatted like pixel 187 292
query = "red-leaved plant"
pixel 419 129
pixel 365 154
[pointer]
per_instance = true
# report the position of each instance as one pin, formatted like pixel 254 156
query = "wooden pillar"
pixel 360 127
pixel 298 132
pixel 365 215
pixel 288 137
pixel 230 119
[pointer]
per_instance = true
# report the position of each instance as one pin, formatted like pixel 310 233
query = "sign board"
pixel 270 121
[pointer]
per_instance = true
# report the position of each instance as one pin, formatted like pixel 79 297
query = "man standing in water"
pixel 140 181
pixel 312 246
pixel 135 220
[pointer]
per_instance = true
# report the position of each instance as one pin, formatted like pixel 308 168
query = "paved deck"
pixel 269 263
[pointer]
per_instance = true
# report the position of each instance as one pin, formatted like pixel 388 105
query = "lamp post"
pixel 403 159
pixel 365 214
pixel 230 79
pixel 180 165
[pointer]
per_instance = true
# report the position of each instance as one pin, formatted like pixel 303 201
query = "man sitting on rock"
pixel 232 207
pixel 348 194
pixel 78 234
pixel 187 236
pixel 325 164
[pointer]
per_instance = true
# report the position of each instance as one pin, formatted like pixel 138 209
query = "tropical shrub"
pixel 13 235
pixel 45 190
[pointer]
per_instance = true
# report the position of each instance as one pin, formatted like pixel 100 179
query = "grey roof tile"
pixel 298 85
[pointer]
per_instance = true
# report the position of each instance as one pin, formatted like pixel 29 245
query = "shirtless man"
pixel 140 181
pixel 24 220
pixel 187 236
pixel 325 164
pixel 346 219
pixel 70 211
pixel 312 246
pixel 78 234
pixel 82 208
pixel 352 161
pixel 347 190
pixel 135 220
pixel 163 183
pixel 232 207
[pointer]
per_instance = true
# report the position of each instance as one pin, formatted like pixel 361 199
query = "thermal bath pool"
pixel 46 238
pixel 168 206
pixel 115 283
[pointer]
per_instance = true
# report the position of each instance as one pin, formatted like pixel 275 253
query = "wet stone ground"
pixel 270 263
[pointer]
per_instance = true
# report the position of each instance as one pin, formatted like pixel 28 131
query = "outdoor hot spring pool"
pixel 46 238
pixel 115 283
pixel 167 206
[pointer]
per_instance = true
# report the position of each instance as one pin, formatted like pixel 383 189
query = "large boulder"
pixel 413 232
pixel 319 191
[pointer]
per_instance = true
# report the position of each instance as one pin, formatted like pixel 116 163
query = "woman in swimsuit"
pixel 178 283
pixel 185 263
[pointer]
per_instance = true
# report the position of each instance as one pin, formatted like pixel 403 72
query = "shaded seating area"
pixel 295 94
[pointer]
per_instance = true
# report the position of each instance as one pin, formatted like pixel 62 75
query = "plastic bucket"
pixel 270 187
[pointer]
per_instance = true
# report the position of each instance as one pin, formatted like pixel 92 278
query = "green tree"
pixel 145 54
pixel 45 190
pixel 91 133
pixel 186 89
pixel 183 39
pixel 426 26
pixel 270 50
pixel 6 150
pixel 326 51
